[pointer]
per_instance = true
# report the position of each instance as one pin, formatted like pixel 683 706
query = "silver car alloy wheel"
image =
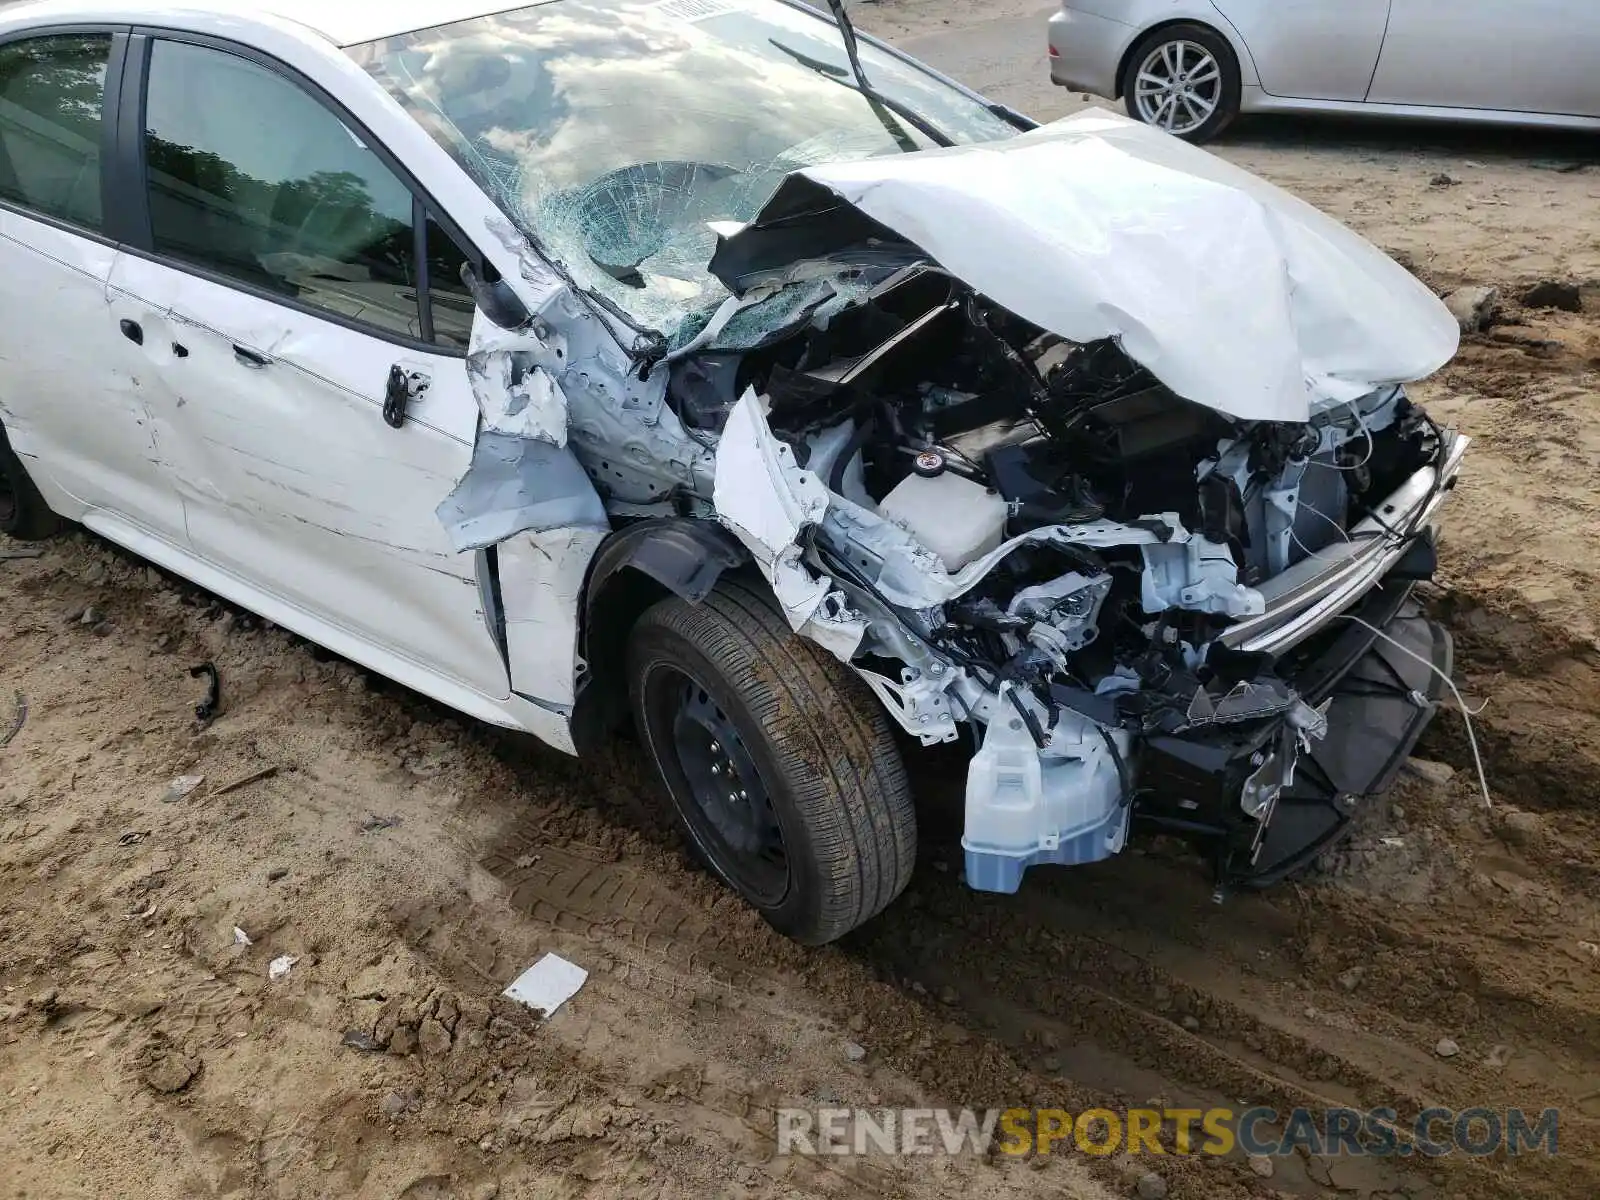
pixel 1178 87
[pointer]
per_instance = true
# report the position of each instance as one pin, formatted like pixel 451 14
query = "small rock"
pixel 171 1072
pixel 1436 773
pixel 91 616
pixel 360 1039
pixel 948 995
pixel 276 874
pixel 1191 1022
pixel 1498 1057
pixel 395 1103
pixel 44 1001
pixel 855 1051
pixel 1554 293
pixel 433 1039
pixel 1050 1063
pixel 1261 1165
pixel 1520 828
pixel 858 1023
pixel 1473 307
pixel 1350 980
pixel 1441 180
pixel 1151 1187
pixel 1445 1048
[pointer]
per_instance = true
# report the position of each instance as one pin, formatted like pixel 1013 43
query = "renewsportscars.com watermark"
pixel 1215 1131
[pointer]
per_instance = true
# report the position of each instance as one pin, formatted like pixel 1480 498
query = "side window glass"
pixel 451 303
pixel 52 109
pixel 252 177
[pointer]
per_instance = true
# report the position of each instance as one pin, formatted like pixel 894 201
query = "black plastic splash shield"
pixel 1380 699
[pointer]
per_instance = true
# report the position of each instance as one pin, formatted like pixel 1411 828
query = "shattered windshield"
pixel 613 131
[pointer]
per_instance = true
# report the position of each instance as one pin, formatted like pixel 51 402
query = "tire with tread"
pixel 1219 49
pixel 818 737
pixel 23 513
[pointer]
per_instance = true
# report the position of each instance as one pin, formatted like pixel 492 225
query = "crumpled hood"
pixel 1232 292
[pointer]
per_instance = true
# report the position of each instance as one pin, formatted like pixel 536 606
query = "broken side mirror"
pixel 495 298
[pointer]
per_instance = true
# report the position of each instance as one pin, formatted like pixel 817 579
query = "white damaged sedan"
pixel 692 362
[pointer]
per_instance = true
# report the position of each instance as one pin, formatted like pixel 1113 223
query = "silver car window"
pixel 52 104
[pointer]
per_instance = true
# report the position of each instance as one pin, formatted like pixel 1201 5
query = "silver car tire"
pixel 1183 79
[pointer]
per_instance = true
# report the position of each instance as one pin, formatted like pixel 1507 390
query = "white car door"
pixel 1311 49
pixel 91 436
pixel 290 272
pixel 1535 56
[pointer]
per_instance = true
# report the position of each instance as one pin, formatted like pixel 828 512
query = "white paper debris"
pixel 279 967
pixel 182 786
pixel 241 938
pixel 548 984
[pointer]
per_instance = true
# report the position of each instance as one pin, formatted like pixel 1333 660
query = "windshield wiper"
pixel 847 33
pixel 884 112
pixel 888 111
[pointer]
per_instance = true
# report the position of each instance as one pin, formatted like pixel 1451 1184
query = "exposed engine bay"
pixel 1083 541
pixel 1011 432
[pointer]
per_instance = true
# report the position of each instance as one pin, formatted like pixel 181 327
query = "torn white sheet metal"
pixel 517 484
pixel 1232 292
pixel 515 395
pixel 759 491
pixel 548 984
pixel 768 500
pixel 541 586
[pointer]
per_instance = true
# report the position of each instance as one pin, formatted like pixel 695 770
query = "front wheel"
pixel 23 513
pixel 778 761
pixel 1183 79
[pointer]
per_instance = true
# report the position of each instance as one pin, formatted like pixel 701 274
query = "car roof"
pixel 343 22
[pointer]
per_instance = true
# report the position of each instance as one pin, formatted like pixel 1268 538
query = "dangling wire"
pixel 1466 713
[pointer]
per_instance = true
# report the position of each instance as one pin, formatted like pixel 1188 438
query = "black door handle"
pixel 132 330
pixel 402 388
pixel 253 359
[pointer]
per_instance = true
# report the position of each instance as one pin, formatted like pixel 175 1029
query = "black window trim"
pixel 133 201
pixel 115 69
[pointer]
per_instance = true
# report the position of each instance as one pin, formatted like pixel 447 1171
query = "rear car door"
pixel 1311 49
pixel 289 270
pixel 91 437
pixel 1535 56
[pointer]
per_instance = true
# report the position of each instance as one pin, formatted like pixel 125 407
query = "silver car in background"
pixel 1191 66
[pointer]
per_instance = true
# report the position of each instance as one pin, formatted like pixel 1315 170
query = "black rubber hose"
pixel 857 440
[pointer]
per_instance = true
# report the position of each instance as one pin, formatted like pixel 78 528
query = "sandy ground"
pixel 413 863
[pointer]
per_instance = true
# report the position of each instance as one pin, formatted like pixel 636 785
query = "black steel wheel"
pixel 779 763
pixel 727 801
